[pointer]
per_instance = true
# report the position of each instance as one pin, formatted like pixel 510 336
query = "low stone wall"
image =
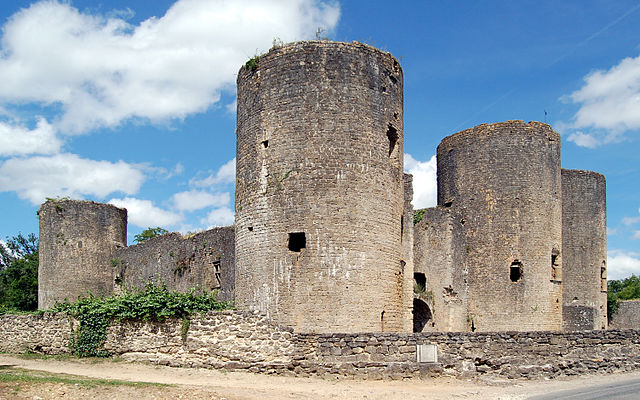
pixel 236 340
pixel 44 333
pixel 627 316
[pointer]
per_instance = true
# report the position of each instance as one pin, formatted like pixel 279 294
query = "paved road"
pixel 623 390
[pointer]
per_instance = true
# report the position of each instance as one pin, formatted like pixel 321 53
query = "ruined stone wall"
pixel 236 340
pixel 584 250
pixel 319 188
pixel 439 250
pixel 502 182
pixel 77 242
pixel 627 316
pixel 205 259
pixel 407 240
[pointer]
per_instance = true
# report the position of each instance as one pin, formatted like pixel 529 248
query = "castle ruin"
pixel 324 238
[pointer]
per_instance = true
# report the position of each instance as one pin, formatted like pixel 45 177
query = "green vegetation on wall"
pixel 153 303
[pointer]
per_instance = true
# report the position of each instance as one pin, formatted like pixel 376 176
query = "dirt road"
pixel 211 384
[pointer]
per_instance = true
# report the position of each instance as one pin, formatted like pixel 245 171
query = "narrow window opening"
pixel 80 244
pixel 420 280
pixel 265 143
pixel 382 321
pixel 555 265
pixel 392 134
pixel 401 229
pixel 250 229
pixel 515 271
pixel 603 278
pixel 297 241
pixel 218 274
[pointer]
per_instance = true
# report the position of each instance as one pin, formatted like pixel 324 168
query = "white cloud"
pixel 610 99
pixel 636 235
pixel 102 70
pixel 425 187
pixel 226 174
pixel 584 140
pixel 196 200
pixel 612 231
pixel 36 178
pixel 631 220
pixel 219 217
pixel 621 264
pixel 609 104
pixel 144 214
pixel 19 140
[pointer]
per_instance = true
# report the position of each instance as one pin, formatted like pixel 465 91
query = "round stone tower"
pixel 502 183
pixel 319 189
pixel 77 241
pixel 584 248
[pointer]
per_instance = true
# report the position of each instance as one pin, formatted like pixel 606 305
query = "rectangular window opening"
pixel 420 280
pixel 515 271
pixel 265 143
pixel 297 241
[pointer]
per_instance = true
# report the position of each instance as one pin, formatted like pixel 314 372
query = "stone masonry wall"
pixel 627 316
pixel 502 183
pixel 584 250
pixel 320 188
pixel 77 240
pixel 206 259
pixel 236 340
pixel 439 254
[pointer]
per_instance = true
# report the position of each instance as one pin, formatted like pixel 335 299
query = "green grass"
pixel 10 374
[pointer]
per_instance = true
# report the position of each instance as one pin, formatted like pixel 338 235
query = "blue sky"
pixel 132 102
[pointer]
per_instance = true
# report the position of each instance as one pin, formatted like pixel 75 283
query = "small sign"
pixel 427 353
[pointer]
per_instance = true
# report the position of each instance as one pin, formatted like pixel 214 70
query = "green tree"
pixel 19 273
pixel 625 289
pixel 149 233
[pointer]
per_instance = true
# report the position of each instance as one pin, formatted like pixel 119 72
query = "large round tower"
pixel 77 240
pixel 319 189
pixel 502 183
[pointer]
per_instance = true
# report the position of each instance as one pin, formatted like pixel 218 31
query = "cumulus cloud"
pixel 101 70
pixel 19 140
pixel 219 217
pixel 425 187
pixel 622 264
pixel 226 174
pixel 144 214
pixel 196 200
pixel 36 178
pixel 584 140
pixel 609 104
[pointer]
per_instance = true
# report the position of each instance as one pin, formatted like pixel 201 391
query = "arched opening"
pixel 421 315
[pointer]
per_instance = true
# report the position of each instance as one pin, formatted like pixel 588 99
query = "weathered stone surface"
pixel 627 316
pixel 77 242
pixel 584 250
pixel 320 189
pixel 220 340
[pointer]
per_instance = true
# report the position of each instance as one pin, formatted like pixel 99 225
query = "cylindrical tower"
pixel 502 182
pixel 77 241
pixel 319 188
pixel 584 250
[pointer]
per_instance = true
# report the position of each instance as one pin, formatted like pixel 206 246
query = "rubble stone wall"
pixel 237 340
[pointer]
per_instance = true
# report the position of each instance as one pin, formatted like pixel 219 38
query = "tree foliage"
pixel 149 233
pixel 625 289
pixel 19 273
